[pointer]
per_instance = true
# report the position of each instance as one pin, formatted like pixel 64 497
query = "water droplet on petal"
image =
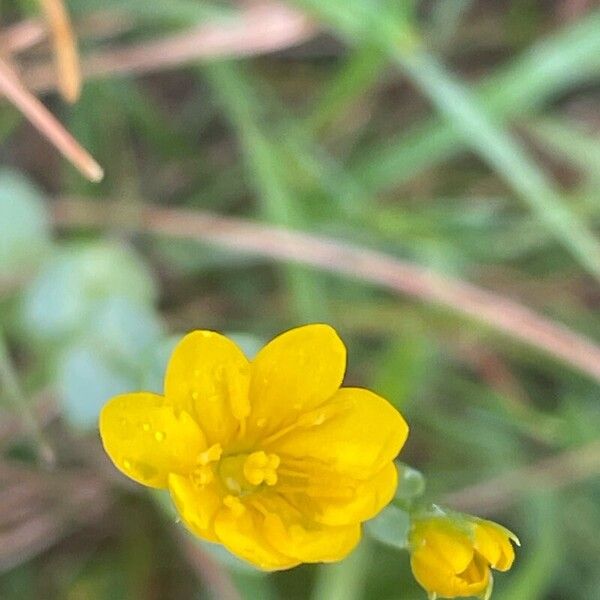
pixel 160 436
pixel 319 419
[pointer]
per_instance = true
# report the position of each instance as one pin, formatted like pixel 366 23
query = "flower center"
pixel 240 473
pixel 204 472
pixel 260 467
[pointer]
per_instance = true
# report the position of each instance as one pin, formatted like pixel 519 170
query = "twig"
pixel 101 25
pixel 46 123
pixel 555 472
pixel 22 36
pixel 260 29
pixel 66 57
pixel 503 314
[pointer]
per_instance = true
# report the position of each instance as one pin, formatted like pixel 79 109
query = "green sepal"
pixel 390 527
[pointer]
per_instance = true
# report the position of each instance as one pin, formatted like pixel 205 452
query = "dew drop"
pixel 319 419
pixel 160 436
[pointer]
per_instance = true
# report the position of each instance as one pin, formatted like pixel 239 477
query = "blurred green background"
pixel 457 138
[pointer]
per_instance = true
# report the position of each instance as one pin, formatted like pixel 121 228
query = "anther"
pixel 261 467
pixel 235 505
pixel 203 475
pixel 212 454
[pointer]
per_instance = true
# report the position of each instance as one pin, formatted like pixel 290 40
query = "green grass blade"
pixel 541 554
pixel 471 119
pixel 277 203
pixel 358 74
pixel 581 149
pixel 503 153
pixel 549 68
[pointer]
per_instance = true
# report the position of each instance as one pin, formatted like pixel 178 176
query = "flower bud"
pixel 452 554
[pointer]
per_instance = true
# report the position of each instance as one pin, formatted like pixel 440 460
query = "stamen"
pixel 204 472
pixel 203 475
pixel 261 467
pixel 235 505
pixel 212 454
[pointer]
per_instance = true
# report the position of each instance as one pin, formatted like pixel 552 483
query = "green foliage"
pixel 390 527
pixel 114 355
pixel 411 485
pixel 59 302
pixel 24 227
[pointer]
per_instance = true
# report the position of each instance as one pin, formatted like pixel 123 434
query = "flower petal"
pixel 356 433
pixel 445 540
pixel 290 532
pixel 436 576
pixel 241 533
pixel 492 541
pixel 147 440
pixel 196 507
pixel 297 371
pixel 477 573
pixel 366 499
pixel 432 574
pixel 208 375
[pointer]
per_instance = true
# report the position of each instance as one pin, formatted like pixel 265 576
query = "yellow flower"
pixel 451 556
pixel 270 458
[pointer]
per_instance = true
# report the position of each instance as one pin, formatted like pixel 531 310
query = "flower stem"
pixel 344 580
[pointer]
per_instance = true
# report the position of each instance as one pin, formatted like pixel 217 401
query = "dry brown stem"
pixel 66 57
pixel 46 123
pixel 500 313
pixel 22 36
pixel 550 473
pixel 259 29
